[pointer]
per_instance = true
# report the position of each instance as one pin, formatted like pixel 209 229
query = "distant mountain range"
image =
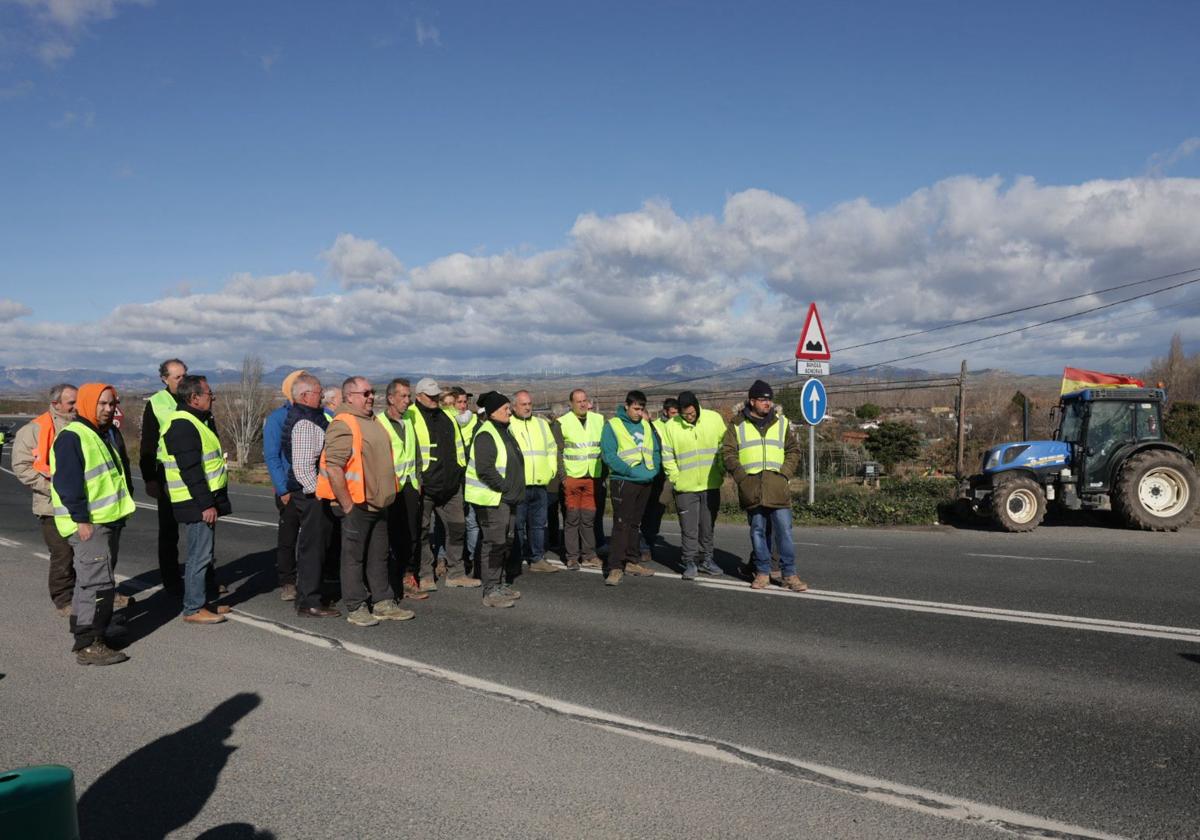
pixel 15 380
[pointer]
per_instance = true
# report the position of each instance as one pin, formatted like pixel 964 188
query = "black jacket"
pixel 68 468
pixel 444 477
pixel 183 442
pixel 511 486
pixel 148 449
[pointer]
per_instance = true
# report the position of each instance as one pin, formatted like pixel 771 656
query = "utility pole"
pixel 962 428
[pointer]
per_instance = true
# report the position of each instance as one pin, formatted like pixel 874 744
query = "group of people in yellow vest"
pixel 73 457
pixel 423 492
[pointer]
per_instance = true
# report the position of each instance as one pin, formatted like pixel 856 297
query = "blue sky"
pixel 154 153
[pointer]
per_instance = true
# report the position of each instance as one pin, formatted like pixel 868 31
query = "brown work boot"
pixel 646 558
pixel 614 577
pixel 412 589
pixel 439 569
pixel 464 582
pixel 593 562
pixel 98 653
pixel 573 565
pixel 428 584
pixel 760 582
pixel 794 583
pixel 287 592
pixel 64 610
pixel 638 570
pixel 544 565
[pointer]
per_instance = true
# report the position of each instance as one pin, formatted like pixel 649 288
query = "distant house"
pixel 870 424
pixel 853 438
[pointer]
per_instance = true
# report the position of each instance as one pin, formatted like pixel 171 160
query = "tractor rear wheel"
pixel 1157 490
pixel 1018 503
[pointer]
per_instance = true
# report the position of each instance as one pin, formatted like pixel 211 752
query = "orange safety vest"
pixel 355 482
pixel 45 439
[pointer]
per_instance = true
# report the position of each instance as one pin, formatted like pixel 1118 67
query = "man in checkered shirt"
pixel 304 438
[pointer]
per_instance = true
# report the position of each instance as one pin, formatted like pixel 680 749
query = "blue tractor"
pixel 1107 454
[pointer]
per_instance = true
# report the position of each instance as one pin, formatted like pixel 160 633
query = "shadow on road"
pixel 248 576
pixel 166 784
pixel 950 515
pixel 1191 657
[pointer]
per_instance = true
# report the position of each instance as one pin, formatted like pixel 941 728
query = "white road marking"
pixel 5 541
pixel 1022 557
pixel 879 790
pixel 236 520
pixel 867 547
pixel 1066 622
pixel 41 555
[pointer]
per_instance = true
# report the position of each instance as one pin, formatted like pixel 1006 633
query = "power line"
pixel 1022 309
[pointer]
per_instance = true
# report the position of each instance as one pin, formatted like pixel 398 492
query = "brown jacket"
pixel 22 462
pixel 768 488
pixel 379 475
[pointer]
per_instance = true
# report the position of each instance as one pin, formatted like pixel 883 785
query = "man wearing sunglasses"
pixel 358 476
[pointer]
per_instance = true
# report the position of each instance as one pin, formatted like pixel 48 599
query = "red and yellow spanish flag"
pixel 1076 379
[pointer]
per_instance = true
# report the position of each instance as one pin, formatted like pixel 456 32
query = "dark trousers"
pixel 168 540
pixel 62 568
pixel 311 517
pixel 598 522
pixel 496 537
pixel 629 503
pixel 404 535
pixel 285 546
pixel 655 508
pixel 365 556
pixel 555 515
pixel 455 522
pixel 95 587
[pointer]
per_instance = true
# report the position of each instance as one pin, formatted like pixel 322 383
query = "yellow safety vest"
pixel 476 492
pixel 762 452
pixel 404 452
pixel 212 459
pixel 628 449
pixel 691 453
pixel 536 442
pixel 163 404
pixel 581 445
pixel 427 447
pixel 108 498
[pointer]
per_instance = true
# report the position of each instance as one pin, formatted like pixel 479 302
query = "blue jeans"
pixel 200 539
pixel 472 540
pixel 531 523
pixel 780 520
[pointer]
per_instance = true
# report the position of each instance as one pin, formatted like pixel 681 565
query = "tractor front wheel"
pixel 1157 491
pixel 1018 504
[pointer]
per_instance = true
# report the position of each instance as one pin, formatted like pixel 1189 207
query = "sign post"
pixel 812 359
pixel 813 401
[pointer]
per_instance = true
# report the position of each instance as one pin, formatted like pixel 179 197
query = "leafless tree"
pixel 243 407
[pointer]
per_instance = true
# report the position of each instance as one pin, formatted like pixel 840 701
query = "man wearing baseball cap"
pixel 443 461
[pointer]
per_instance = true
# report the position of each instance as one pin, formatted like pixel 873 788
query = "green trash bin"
pixel 38 803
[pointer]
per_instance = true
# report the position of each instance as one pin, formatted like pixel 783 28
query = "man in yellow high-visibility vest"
pixel 536 441
pixel 582 472
pixel 196 482
pixel 691 446
pixel 158 408
pixel 632 453
pixel 89 493
pixel 762 454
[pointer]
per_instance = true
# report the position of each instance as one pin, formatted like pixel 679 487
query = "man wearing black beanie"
pixel 495 484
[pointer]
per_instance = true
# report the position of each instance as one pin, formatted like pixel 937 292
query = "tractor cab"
pixel 1102 425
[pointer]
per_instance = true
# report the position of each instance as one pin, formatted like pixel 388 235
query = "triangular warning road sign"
pixel 813 345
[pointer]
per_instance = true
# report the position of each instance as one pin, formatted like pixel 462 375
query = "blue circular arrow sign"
pixel 813 401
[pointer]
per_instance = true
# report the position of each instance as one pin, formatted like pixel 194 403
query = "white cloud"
pixel 64 22
pixel 650 282
pixel 427 33
pixel 10 310
pixel 361 262
pixel 1161 162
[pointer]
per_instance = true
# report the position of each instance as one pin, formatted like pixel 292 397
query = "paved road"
pixel 935 683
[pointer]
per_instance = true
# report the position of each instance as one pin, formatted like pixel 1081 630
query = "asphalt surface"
pixel 657 708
